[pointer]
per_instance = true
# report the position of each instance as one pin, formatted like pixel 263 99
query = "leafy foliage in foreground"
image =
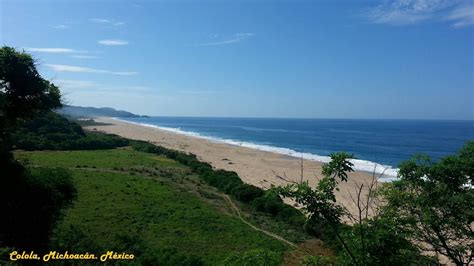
pixel 54 132
pixel 23 93
pixel 32 203
pixel 433 203
pixel 371 241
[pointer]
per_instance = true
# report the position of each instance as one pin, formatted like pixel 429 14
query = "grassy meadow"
pixel 148 204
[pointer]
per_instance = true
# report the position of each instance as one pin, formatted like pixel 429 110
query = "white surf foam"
pixel 386 172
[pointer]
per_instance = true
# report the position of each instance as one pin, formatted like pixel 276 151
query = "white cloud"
pixel 61 27
pixel 126 73
pixel 69 68
pixel 52 50
pixel 83 85
pixel 244 35
pixel 112 42
pixel 462 16
pixel 402 12
pixel 75 84
pixel 100 20
pixel 237 37
pixel 78 69
pixel 406 12
pixel 79 56
pixel 107 21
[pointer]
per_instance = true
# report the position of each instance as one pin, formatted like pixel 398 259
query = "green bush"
pixel 269 202
pixel 256 257
pixel 246 192
pixel 291 215
pixel 148 148
pixel 382 245
pixel 54 132
pixel 169 257
pixel 31 202
pixel 5 255
pixel 315 227
pixel 432 204
pixel 74 239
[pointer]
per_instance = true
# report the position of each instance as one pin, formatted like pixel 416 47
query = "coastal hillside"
pixel 88 112
pixel 155 208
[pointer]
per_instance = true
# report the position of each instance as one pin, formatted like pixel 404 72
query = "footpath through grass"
pixel 151 205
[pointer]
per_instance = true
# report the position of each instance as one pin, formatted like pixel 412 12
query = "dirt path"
pixel 234 207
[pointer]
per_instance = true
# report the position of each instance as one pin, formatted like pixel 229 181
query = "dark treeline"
pixel 30 200
pixel 51 131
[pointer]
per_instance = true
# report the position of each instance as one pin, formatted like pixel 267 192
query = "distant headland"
pixel 89 112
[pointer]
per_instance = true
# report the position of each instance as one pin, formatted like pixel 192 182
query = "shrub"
pixel 72 238
pixel 54 132
pixel 170 257
pixel 246 192
pixel 315 227
pixel 290 215
pixel 433 204
pixel 256 257
pixel 32 203
pixel 269 202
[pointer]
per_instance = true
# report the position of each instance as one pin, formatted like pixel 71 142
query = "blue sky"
pixel 322 59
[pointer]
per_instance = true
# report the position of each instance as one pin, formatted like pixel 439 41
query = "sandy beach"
pixel 256 167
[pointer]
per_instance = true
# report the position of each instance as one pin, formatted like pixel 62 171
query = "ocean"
pixel 378 145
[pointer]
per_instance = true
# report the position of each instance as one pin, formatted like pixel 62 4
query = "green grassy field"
pixel 135 201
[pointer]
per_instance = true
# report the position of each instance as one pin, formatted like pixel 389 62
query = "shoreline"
pixel 256 167
pixel 388 173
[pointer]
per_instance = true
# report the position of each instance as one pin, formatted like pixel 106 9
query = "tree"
pixel 30 201
pixel 434 203
pixel 23 93
pixel 320 203
pixel 371 239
